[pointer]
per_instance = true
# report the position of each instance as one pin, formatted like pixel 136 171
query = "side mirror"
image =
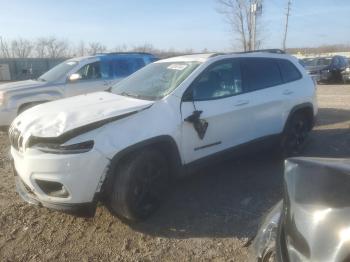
pixel 74 77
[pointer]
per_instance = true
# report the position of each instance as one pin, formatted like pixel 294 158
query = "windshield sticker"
pixel 177 67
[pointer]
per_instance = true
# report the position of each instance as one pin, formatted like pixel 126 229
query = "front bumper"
pixel 27 195
pixel 81 175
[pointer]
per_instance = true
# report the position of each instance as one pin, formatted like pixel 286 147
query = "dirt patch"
pixel 207 217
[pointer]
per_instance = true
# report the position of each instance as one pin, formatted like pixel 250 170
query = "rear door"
pixel 270 98
pixel 223 110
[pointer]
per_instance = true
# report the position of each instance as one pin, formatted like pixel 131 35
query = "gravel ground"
pixel 207 217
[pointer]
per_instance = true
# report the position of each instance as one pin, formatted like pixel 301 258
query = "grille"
pixel 15 138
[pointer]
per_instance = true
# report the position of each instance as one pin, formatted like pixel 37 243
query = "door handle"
pixel 242 103
pixel 288 92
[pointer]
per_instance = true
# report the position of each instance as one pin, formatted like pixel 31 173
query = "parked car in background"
pixel 346 72
pixel 164 119
pixel 73 77
pixel 312 222
pixel 326 69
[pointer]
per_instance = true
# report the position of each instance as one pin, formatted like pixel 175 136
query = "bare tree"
pixel 5 50
pixel 146 48
pixel 96 47
pixel 81 49
pixel 21 48
pixel 120 48
pixel 286 27
pixel 56 48
pixel 239 16
pixel 41 48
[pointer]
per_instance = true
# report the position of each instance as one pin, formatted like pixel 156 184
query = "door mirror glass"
pixel 74 77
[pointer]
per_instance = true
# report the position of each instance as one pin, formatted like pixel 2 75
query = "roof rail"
pixel 273 51
pixel 125 53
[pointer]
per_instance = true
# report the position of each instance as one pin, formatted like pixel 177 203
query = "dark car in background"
pixel 326 69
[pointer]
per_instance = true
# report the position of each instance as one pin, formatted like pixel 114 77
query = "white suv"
pixel 129 143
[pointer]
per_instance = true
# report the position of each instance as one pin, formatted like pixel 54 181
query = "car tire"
pixel 139 184
pixel 295 135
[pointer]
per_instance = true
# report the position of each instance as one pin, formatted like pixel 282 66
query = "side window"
pixel 90 71
pixel 125 67
pixel 222 80
pixel 138 64
pixel 289 71
pixel 260 73
pixel 121 68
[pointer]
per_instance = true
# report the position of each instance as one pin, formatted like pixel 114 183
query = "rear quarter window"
pixel 289 71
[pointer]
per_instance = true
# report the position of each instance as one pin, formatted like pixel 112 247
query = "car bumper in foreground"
pixel 62 182
pixel 27 195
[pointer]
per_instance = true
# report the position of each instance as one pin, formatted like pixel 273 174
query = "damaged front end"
pixel 56 145
pixel 313 222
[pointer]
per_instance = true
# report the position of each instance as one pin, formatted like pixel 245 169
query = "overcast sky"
pixel 179 24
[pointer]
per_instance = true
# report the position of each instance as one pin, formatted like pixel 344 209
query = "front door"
pixel 90 80
pixel 217 115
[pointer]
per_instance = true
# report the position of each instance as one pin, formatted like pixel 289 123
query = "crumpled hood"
pixel 55 118
pixel 316 221
pixel 14 86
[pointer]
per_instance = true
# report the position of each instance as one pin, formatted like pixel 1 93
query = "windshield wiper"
pixel 136 96
pixel 128 94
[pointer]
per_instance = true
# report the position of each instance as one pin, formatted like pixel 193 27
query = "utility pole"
pixel 286 28
pixel 255 10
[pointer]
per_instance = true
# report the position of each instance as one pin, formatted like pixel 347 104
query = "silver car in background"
pixel 72 77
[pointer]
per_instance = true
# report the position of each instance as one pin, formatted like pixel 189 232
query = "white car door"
pixel 87 79
pixel 270 95
pixel 215 112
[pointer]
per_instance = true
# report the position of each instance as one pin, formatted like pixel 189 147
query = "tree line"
pixel 52 47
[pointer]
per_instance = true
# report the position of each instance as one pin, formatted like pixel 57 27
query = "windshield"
pixel 155 81
pixel 58 71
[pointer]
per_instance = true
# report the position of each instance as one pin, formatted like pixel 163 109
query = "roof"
pixel 205 56
pixel 188 58
pixel 124 53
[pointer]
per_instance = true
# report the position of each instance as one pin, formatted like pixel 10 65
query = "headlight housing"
pixel 263 247
pixel 53 148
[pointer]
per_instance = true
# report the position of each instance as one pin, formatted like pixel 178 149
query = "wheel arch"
pixel 165 143
pixel 304 108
